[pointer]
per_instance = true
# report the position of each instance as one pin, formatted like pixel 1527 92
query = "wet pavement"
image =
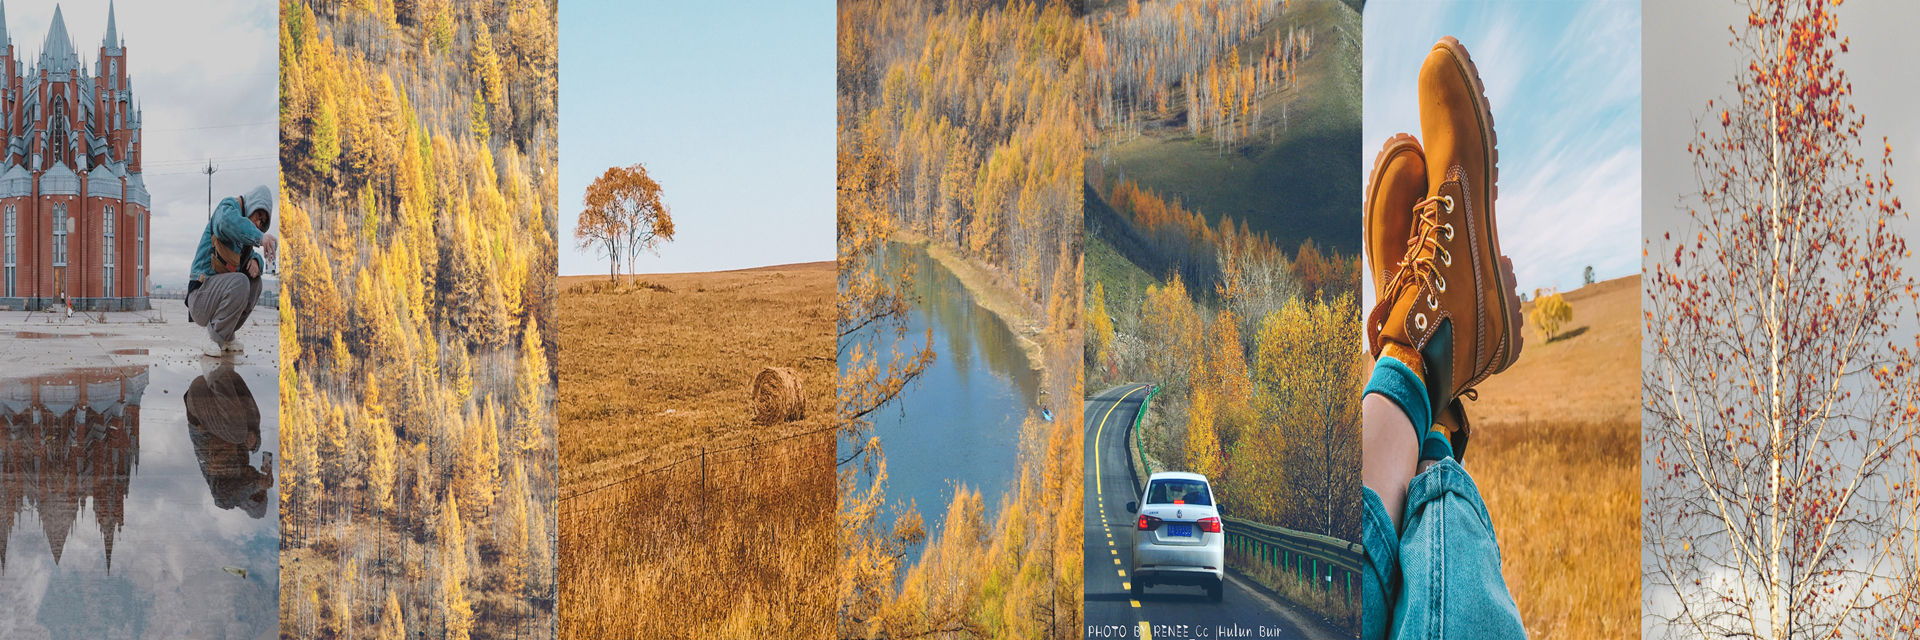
pixel 137 494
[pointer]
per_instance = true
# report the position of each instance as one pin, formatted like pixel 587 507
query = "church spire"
pixel 57 55
pixel 112 41
pixel 5 39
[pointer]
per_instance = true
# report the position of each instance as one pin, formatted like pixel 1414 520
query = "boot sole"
pixel 1399 143
pixel 1483 111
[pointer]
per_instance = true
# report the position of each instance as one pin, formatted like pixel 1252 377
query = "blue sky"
pixel 731 107
pixel 1563 79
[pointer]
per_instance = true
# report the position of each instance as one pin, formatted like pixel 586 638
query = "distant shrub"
pixel 1550 313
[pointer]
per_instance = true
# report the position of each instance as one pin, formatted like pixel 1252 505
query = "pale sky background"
pixel 1563 79
pixel 1688 61
pixel 207 80
pixel 731 107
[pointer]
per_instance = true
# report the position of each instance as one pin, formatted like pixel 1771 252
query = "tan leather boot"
pixel 1398 182
pixel 1449 312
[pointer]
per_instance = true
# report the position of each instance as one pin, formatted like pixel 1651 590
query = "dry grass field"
pixel 658 366
pixel 1556 452
pixel 672 498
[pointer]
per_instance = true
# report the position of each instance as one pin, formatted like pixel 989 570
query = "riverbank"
pixel 999 296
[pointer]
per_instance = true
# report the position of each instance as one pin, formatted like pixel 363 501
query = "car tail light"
pixel 1147 523
pixel 1210 525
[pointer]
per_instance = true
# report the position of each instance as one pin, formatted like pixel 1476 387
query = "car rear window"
pixel 1181 491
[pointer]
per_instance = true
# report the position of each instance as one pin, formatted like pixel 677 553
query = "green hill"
pixel 1305 181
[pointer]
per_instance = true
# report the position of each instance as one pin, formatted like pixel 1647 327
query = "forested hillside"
pixel 961 125
pixel 417 386
pixel 1235 291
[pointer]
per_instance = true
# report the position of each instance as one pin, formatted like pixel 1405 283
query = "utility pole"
pixel 209 171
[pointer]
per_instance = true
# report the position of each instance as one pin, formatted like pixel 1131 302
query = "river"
pixel 961 422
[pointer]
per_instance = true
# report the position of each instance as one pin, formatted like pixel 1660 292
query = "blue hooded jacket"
pixel 234 229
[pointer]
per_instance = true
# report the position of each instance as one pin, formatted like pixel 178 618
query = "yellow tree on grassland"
pixel 393 626
pixel 1550 312
pixel 624 216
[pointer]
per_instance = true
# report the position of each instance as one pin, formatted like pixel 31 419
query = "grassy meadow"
pixel 672 498
pixel 1555 449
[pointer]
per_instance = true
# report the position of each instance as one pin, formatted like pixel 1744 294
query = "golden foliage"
pixel 1550 312
pixel 419 264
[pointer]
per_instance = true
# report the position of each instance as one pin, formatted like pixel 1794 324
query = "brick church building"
pixel 75 209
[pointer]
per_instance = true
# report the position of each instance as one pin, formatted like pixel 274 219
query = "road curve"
pixel 1244 611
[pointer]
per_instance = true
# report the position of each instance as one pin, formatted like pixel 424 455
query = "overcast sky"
pixel 1563 79
pixel 208 81
pixel 731 107
pixel 1688 61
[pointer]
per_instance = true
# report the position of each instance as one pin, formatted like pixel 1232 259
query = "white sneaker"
pixel 234 346
pixel 212 349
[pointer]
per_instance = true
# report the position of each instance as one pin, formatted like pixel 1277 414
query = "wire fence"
pixel 703 534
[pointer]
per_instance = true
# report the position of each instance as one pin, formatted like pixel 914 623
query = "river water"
pixel 961 423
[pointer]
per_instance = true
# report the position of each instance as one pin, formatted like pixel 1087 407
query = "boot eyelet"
pixel 1433 303
pixel 1449 202
pixel 1446 259
pixel 1448 227
pixel 1420 321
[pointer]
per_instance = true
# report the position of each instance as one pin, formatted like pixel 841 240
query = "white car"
pixel 1177 537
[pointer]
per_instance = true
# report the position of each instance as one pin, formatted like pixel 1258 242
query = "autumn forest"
pixel 417 381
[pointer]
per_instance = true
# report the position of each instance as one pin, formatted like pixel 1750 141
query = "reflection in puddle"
pixel 70 438
pixel 124 519
pixel 225 425
pixel 129 352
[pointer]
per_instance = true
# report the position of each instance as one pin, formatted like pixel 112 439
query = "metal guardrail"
pixel 1324 560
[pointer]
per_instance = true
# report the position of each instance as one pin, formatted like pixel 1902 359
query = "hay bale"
pixel 777 396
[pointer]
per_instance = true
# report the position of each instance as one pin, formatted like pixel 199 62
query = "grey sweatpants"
pixel 222 304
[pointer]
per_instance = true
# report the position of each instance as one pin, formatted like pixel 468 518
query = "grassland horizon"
pixel 1555 450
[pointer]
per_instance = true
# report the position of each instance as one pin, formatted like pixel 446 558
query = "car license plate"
pixel 1180 530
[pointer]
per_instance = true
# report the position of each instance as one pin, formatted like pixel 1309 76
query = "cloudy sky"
pixel 207 80
pixel 1563 79
pixel 1688 61
pixel 731 107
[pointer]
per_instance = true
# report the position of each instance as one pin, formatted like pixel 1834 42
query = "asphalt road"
pixel 1244 611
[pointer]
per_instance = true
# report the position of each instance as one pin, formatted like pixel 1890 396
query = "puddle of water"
pixel 36 335
pixel 132 500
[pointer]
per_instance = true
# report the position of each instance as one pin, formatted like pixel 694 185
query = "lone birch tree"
pixel 1779 394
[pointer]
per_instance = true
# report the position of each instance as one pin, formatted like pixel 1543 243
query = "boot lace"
pixel 1418 267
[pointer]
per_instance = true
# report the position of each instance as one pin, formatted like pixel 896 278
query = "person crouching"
pixel 225 281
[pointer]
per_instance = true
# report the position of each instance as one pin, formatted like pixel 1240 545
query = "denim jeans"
pixel 1439 577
